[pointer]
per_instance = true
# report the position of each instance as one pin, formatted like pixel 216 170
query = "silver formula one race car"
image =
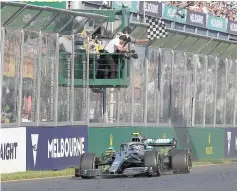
pixel 140 157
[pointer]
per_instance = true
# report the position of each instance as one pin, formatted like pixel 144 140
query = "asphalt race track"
pixel 211 178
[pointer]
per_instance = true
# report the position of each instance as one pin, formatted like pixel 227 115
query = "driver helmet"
pixel 133 147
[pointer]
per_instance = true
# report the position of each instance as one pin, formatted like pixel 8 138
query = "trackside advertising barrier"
pixel 232 27
pixel 231 143
pixel 51 148
pixel 217 23
pixel 205 143
pixel 152 8
pixel 168 12
pixel 13 150
pixel 196 19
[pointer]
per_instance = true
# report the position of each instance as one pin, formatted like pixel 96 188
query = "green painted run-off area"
pixel 206 144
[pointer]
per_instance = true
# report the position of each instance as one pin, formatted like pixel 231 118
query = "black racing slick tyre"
pixel 181 161
pixel 152 160
pixel 87 162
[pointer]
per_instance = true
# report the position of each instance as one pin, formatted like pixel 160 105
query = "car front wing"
pixel 135 171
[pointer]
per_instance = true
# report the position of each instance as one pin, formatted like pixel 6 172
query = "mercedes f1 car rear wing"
pixel 161 142
pixel 165 142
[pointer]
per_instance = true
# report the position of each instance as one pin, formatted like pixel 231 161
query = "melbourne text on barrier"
pixel 68 147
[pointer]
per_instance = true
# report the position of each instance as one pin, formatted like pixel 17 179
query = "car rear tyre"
pixel 181 161
pixel 87 162
pixel 152 160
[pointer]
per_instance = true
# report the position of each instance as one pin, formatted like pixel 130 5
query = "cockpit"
pixel 132 147
pixel 137 147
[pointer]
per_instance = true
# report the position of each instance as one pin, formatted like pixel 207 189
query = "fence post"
pixel 235 101
pixel 132 88
pixel 72 80
pixel 38 87
pixel 171 87
pixel 226 89
pixel 21 78
pixel 205 91
pixel 56 82
pixel 185 95
pixel 146 85
pixel 2 65
pixel 88 82
pixel 158 90
pixel 216 68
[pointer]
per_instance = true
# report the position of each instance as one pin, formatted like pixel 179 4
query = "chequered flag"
pixel 156 28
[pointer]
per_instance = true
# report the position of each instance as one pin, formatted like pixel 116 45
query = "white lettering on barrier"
pixel 217 23
pixel 13 150
pixel 8 151
pixel 196 18
pixel 171 12
pixel 69 147
pixel 152 8
pixel 233 27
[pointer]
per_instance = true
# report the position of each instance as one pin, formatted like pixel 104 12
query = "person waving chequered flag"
pixel 156 28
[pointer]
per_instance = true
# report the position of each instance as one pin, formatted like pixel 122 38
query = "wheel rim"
pixel 93 163
pixel 189 162
pixel 158 165
pixel 158 169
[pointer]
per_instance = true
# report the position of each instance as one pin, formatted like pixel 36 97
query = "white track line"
pixel 214 164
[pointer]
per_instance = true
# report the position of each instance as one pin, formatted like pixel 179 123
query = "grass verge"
pixel 70 171
pixel 36 174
